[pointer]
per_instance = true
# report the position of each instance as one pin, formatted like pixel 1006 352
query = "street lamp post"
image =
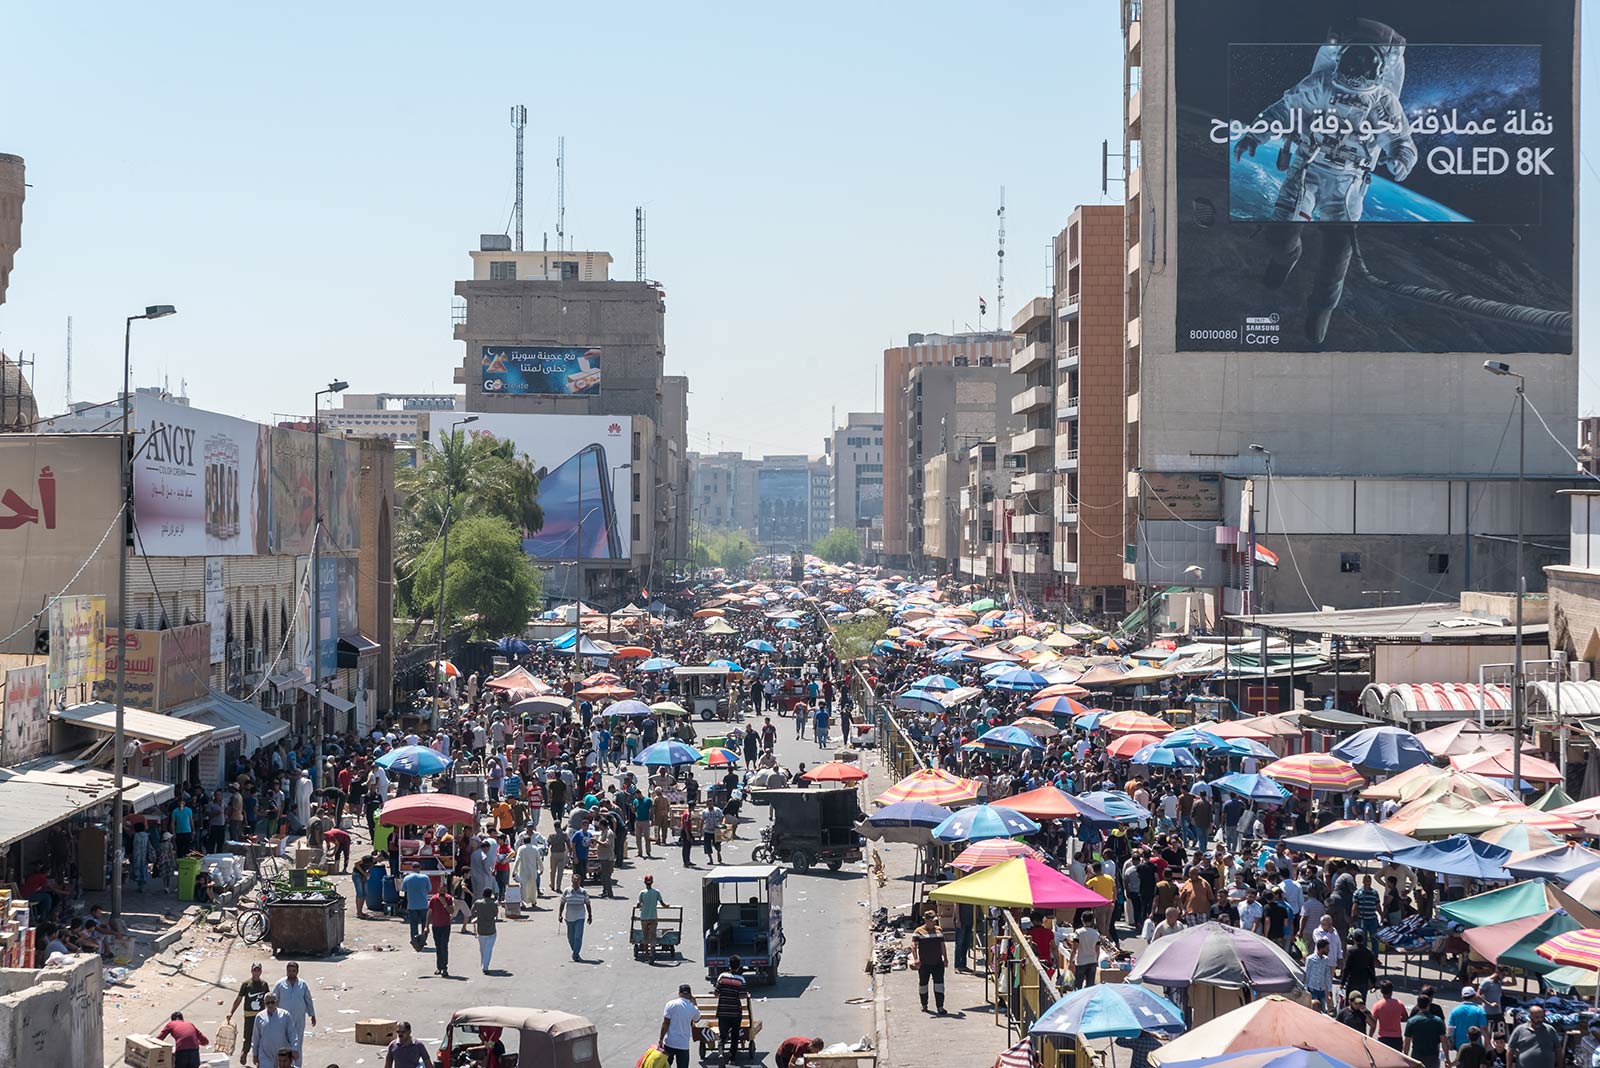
pixel 444 563
pixel 336 386
pixel 119 740
pixel 1518 684
pixel 1255 568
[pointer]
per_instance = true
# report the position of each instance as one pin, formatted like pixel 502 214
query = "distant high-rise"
pixel 855 453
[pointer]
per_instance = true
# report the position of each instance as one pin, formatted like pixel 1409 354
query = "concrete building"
pixel 13 191
pixel 948 408
pixel 785 516
pixel 722 488
pixel 855 452
pixel 984 510
pixel 920 350
pixel 1589 444
pixel 553 333
pixel 400 417
pixel 1389 469
pixel 821 497
pixel 1032 490
pixel 943 479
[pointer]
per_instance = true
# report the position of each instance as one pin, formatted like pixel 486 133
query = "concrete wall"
pixel 52 1017
pixel 13 191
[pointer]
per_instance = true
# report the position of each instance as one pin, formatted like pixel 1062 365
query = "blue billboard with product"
pixel 541 370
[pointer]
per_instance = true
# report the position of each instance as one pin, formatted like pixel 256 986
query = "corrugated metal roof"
pixel 224 712
pixel 1442 623
pixel 34 801
pixel 147 726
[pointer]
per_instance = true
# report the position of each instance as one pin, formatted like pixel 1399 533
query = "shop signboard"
pixel 26 730
pixel 77 640
pixel 216 608
pixel 541 370
pixel 161 669
pixel 295 459
pixel 1189 497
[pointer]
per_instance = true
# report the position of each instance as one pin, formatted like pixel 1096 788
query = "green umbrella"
pixel 1554 798
pixel 984 605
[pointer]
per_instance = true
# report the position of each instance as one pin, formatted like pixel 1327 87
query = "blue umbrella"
pixel 789 624
pixel 1020 680
pixel 627 709
pixel 414 760
pixel 729 664
pixel 1117 804
pixel 903 815
pixel 951 656
pixel 935 682
pixel 1192 738
pixel 991 670
pixel 668 754
pixel 1458 855
pixel 514 646
pixel 984 821
pixel 760 645
pixel 1015 737
pixel 1157 757
pixel 658 663
pixel 1089 720
pixel 919 701
pixel 1109 1010
pixel 884 645
pixel 1383 749
pixel 1243 747
pixel 1257 788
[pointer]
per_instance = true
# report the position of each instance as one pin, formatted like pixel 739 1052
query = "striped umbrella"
pixel 717 757
pixel 1130 722
pixel 992 851
pixel 1580 948
pixel 1315 771
pixel 934 786
pixel 1037 727
pixel 1057 705
pixel 1125 747
pixel 1517 812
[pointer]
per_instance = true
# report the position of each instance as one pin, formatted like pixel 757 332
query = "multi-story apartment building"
pixel 855 452
pixel 1033 401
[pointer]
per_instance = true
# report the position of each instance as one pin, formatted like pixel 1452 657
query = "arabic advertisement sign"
pixel 783 506
pixel 216 608
pixel 1182 496
pixel 1399 182
pixel 585 494
pixel 25 733
pixel 541 370
pixel 199 481
pixel 77 641
pixel 324 636
pixel 162 669
pixel 185 665
pixel 291 506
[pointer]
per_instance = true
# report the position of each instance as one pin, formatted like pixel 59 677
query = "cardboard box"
pixel 145 1052
pixel 1113 975
pixel 375 1032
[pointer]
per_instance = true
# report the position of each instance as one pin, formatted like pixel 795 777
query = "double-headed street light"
pixel 119 735
pixel 336 386
pixel 444 564
pixel 1518 686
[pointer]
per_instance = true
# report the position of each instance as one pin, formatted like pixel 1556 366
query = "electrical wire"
pixel 33 620
pixel 1559 443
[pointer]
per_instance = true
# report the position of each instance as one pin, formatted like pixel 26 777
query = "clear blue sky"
pixel 304 185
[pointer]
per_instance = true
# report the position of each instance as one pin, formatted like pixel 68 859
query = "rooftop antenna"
pixel 638 244
pixel 1000 260
pixel 561 194
pixel 69 363
pixel 519 123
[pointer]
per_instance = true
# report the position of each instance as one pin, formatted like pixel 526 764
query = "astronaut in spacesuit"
pixel 1342 121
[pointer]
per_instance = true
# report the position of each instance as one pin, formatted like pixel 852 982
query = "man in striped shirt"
pixel 1367 903
pixel 733 1002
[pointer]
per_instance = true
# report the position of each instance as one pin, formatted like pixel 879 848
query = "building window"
pixel 635 526
pixel 1438 563
pixel 502 270
pixel 1350 563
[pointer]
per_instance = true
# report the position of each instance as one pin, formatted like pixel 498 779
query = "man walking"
pixel 677 1027
pixel 650 903
pixel 575 910
pixel 931 960
pixel 275 1031
pixel 733 1007
pixel 441 911
pixel 405 1051
pixel 252 994
pixel 294 997
pixel 417 888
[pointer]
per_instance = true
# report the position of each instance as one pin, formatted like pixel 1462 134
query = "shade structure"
pixel 1010 737
pixel 609 690
pixel 1115 804
pixel 1194 738
pixel 1362 841
pixel 1037 727
pixel 416 810
pixel 1498 764
pixel 909 822
pixel 1045 803
pixel 1551 799
pixel 1109 1010
pixel 669 708
pixel 1237 728
pixel 719 628
pixel 657 663
pixel 1134 723
pixel 1256 788
pixel 1275 1022
pixel 1277 1057
pixel 1516 900
pixel 934 682
pixel 518 678
pixel 1247 747
pixel 513 646
pixel 1440 817
pixel 631 652
pixel 1315 771
pixel 1153 755
pixel 992 851
pixel 929 701
pixel 1022 883
pixel 1461 737
pixel 760 645
pixel 1220 955
pixel 1123 748
pixel 628 709
pixel 1514 943
pixel 414 760
pixel 601 678
pixel 731 666
pixel 718 757
pixel 1562 865
pixel 933 785
pixel 1579 948
pixel 1516 812
pixel 984 821
pixel 1404 786
pixel 1273 725
pixel 1458 855
pixel 446 668
pixel 1057 705
pixel 667 754
pixel 535 705
pixel 1018 680
pixel 1383 749
pixel 835 771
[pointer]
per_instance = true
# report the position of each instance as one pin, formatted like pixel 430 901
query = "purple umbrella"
pixel 1220 955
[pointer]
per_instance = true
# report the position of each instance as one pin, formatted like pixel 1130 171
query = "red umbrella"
pixel 422 809
pixel 631 652
pixel 605 691
pixel 1124 748
pixel 835 771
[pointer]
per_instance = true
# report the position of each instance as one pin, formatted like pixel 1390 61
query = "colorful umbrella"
pixel 1515 943
pixel 1194 738
pixel 1045 803
pixel 669 708
pixel 1580 948
pixel 1011 737
pixel 449 669
pixel 1020 883
pixel 934 682
pixel 667 754
pixel 718 757
pixel 731 666
pixel 1116 806
pixel 627 709
pixel 1018 680
pixel 1219 955
pixel 601 678
pixel 984 821
pixel 909 822
pixel 760 645
pixel 835 771
pixel 414 760
pixel 1134 722
pixel 631 652
pixel 1315 771
pixel 1125 747
pixel 935 786
pixel 593 692
pixel 1498 765
pixel 1275 1057
pixel 1257 788
pixel 658 663
pixel 1153 755
pixel 1383 749
pixel 1059 689
pixel 1275 1022
pixel 1037 727
pixel 420 810
pixel 1057 705
pixel 992 851
pixel 1109 1010
pixel 1516 812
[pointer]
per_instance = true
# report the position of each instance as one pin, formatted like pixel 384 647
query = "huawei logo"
pixel 614 429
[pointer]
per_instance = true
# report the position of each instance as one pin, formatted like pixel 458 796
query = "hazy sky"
pixel 305 183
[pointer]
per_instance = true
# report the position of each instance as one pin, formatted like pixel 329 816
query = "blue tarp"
pixel 1458 855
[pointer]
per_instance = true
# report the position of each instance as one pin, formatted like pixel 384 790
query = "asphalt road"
pixel 822 967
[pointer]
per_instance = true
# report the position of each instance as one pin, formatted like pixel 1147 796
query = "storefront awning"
pixel 181 737
pixel 138 795
pixel 329 698
pixel 286 680
pixel 30 804
pixel 352 647
pixel 221 711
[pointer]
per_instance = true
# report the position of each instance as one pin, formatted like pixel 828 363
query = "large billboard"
pixel 161 669
pixel 541 370
pixel 1388 176
pixel 323 636
pixel 585 494
pixel 26 730
pixel 77 640
pixel 295 458
pixel 199 481
pixel 783 506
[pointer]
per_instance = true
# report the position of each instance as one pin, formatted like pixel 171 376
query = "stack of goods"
pixel 1414 935
pixel 16 934
pixel 1562 1013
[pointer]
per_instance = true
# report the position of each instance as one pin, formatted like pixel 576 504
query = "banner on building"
pixel 161 669
pixel 77 641
pixel 783 506
pixel 216 608
pixel 1398 182
pixel 25 733
pixel 316 645
pixel 199 481
pixel 1190 497
pixel 541 370
pixel 296 457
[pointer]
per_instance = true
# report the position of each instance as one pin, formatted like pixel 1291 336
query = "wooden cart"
pixel 705 1032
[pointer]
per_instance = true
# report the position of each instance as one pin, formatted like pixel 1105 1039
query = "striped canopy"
pixel 1517 812
pixel 1315 771
pixel 935 786
pixel 992 851
pixel 1131 722
pixel 1580 948
pixel 1125 747
pixel 1057 704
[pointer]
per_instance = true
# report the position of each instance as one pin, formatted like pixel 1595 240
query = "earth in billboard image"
pixel 1397 181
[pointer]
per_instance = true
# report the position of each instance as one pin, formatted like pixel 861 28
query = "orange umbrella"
pixel 1128 722
pixel 601 678
pixel 1060 689
pixel 631 652
pixel 935 786
pixel 1045 803
pixel 1314 771
pixel 592 692
pixel 835 771
pixel 1129 744
pixel 708 613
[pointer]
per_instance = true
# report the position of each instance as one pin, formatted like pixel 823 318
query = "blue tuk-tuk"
pixel 741 908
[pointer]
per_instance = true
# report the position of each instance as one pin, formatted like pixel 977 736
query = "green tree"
pixel 855 637
pixel 839 546
pixel 734 551
pixel 488 576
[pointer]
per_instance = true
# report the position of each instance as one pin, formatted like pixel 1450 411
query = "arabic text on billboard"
pixel 77 641
pixel 542 370
pixel 199 481
pixel 783 506
pixel 161 669
pixel 586 498
pixel 216 608
pixel 1398 182
pixel 1182 496
pixel 27 718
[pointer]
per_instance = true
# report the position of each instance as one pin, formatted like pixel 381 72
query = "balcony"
pixel 1030 315
pixel 1133 408
pixel 1135 39
pixel 1030 357
pixel 1069 306
pixel 1028 561
pixel 1134 253
pixel 1034 482
pixel 1133 332
pixel 1068 514
pixel 1135 98
pixel 1067 357
pixel 1066 459
pixel 1032 440
pixel 1031 399
pixel 1068 408
pixel 1067 567
pixel 1135 183
pixel 1032 523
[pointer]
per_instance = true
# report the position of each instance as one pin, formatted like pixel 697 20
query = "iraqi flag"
pixel 1266 556
pixel 983 306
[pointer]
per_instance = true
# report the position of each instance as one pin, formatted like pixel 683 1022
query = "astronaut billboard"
pixel 1388 176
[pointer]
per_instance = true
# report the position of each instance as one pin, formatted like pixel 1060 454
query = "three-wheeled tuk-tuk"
pixel 517 1038
pixel 811 826
pixel 706 691
pixel 741 909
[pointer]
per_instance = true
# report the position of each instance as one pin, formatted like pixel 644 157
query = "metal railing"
pixel 1021 988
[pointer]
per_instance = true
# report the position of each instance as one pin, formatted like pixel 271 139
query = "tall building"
pixel 722 487
pixel 784 514
pixel 984 512
pixel 552 334
pixel 943 479
pixel 821 497
pixel 403 418
pixel 920 350
pixel 1033 369
pixel 855 452
pixel 1324 387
